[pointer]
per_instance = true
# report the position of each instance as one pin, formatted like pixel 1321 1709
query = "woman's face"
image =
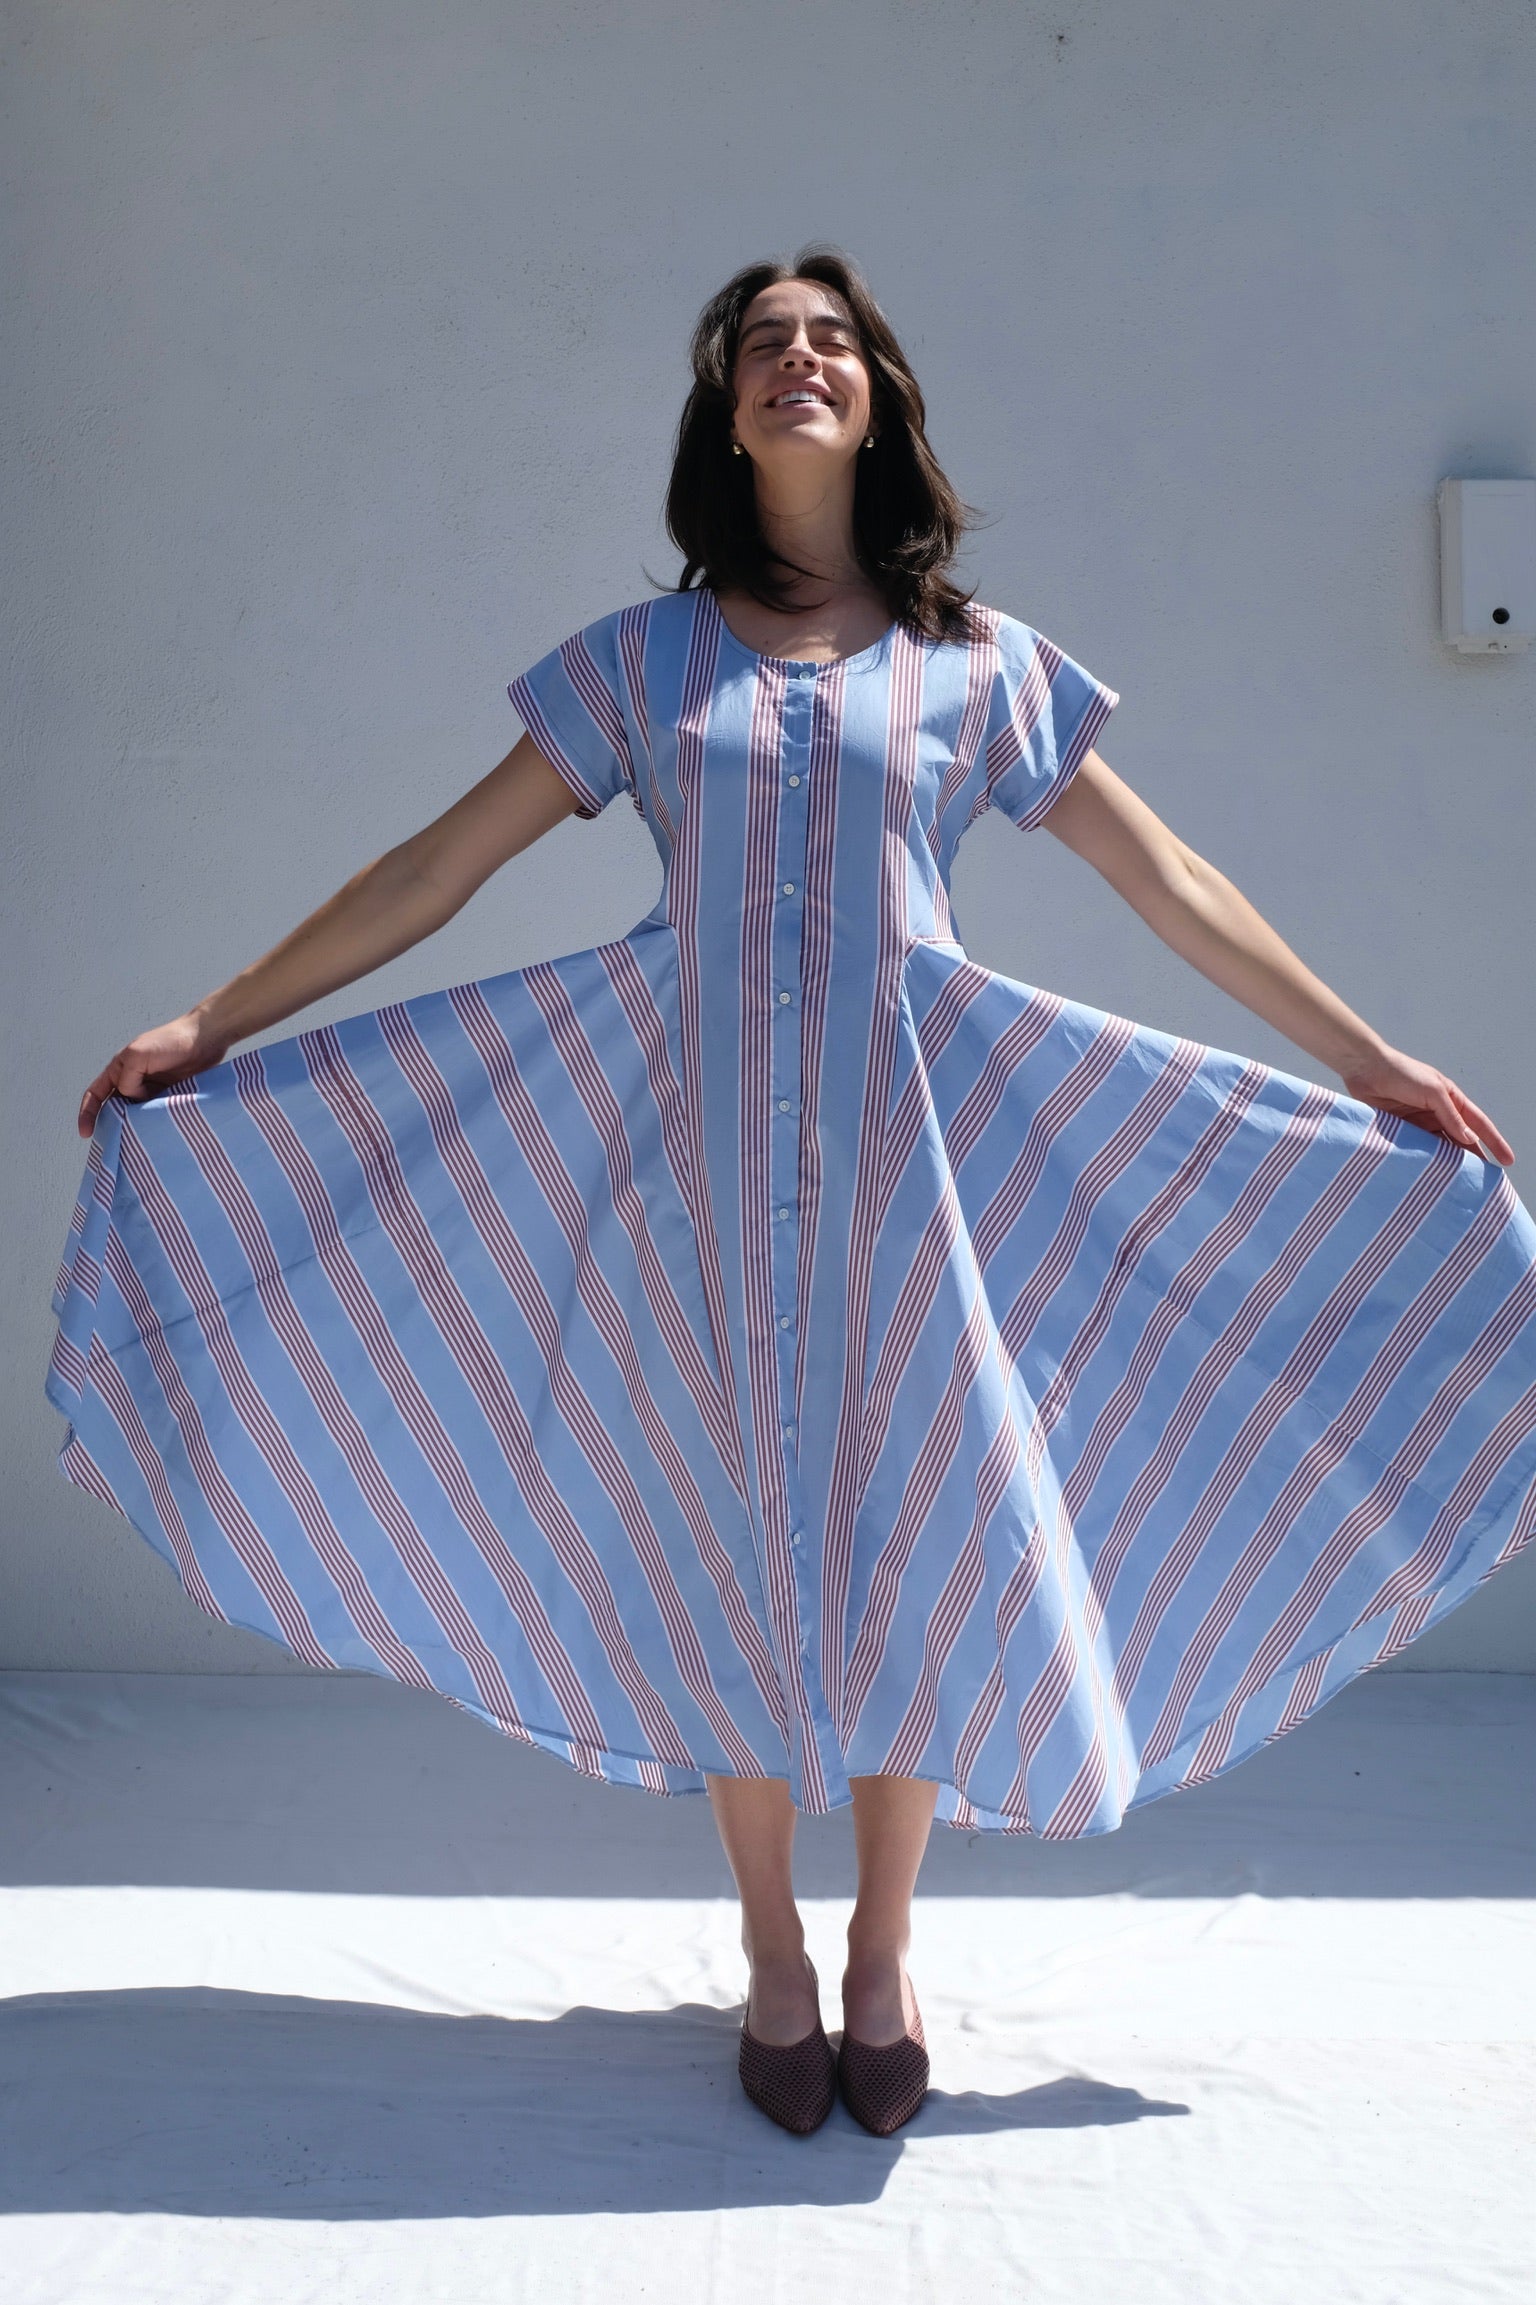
pixel 802 389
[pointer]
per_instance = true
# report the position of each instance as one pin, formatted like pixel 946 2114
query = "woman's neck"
pixel 811 525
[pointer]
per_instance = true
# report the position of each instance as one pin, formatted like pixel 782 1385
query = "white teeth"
pixel 792 399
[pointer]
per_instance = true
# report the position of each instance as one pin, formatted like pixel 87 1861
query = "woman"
pixel 771 1352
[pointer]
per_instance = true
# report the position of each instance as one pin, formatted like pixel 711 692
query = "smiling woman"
pixel 770 1354
pixel 831 486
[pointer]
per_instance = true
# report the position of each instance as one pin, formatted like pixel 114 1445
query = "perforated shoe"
pixel 882 2088
pixel 795 2085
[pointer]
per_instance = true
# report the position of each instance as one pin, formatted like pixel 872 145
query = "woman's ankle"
pixel 776 1945
pixel 879 2005
pixel 876 1949
pixel 783 2003
pixel 878 2011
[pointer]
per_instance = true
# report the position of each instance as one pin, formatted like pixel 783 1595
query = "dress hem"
pixel 637 1772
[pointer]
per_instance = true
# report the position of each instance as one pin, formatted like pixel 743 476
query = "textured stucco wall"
pixel 345 343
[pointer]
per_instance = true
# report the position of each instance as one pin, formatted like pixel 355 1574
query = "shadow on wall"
pixel 216 2104
pixel 1408 1784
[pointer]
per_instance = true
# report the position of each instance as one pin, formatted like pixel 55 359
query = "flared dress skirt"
pixel 772 1344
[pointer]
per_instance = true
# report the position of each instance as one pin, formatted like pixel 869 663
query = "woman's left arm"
pixel 1206 920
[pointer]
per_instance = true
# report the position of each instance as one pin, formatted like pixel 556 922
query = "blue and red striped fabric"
pixel 773 1344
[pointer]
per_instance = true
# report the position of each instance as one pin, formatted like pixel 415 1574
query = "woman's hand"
pixel 1419 1092
pixel 167 1053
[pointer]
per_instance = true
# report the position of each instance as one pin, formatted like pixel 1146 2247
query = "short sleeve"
pixel 1046 712
pixel 572 704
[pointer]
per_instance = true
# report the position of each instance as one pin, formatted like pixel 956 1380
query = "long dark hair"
pixel 907 520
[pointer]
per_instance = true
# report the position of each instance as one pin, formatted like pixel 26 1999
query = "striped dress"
pixel 773 1344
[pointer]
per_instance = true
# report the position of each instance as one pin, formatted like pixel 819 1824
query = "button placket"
pixel 785 1162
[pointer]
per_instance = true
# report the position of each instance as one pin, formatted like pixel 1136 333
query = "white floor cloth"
pixel 318 1990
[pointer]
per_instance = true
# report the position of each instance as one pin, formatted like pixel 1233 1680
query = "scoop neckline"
pixel 859 657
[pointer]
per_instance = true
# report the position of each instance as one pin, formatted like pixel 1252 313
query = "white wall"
pixel 345 345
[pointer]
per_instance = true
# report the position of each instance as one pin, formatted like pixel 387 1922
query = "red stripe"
pixel 903 724
pixel 480 1365
pixel 245 1539
pixel 411 1404
pixel 1299 1131
pixel 1053 1269
pixel 634 633
pixel 1373 1511
pixel 756 1114
pixel 387 1507
pixel 570 1396
pixel 121 1406
pixel 817 945
pixel 1301 1367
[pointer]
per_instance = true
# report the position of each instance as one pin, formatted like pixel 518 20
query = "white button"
pixel 783 1320
pixel 783 1212
pixel 794 780
pixel 788 1429
pixel 783 1104
pixel 783 1000
pixel 795 1536
pixel 789 888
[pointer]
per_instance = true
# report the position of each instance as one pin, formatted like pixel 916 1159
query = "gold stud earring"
pixel 869 440
pixel 736 448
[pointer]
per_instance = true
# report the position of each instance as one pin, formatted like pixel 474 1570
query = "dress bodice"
pixel 854 779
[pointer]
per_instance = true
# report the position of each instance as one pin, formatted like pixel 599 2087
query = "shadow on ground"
pixel 215 2104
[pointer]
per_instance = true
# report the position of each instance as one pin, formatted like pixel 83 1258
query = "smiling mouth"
pixel 799 398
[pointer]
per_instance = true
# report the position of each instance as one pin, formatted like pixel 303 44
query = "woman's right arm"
pixel 383 910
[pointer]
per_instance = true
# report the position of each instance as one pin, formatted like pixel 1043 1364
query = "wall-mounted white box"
pixel 1488 565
